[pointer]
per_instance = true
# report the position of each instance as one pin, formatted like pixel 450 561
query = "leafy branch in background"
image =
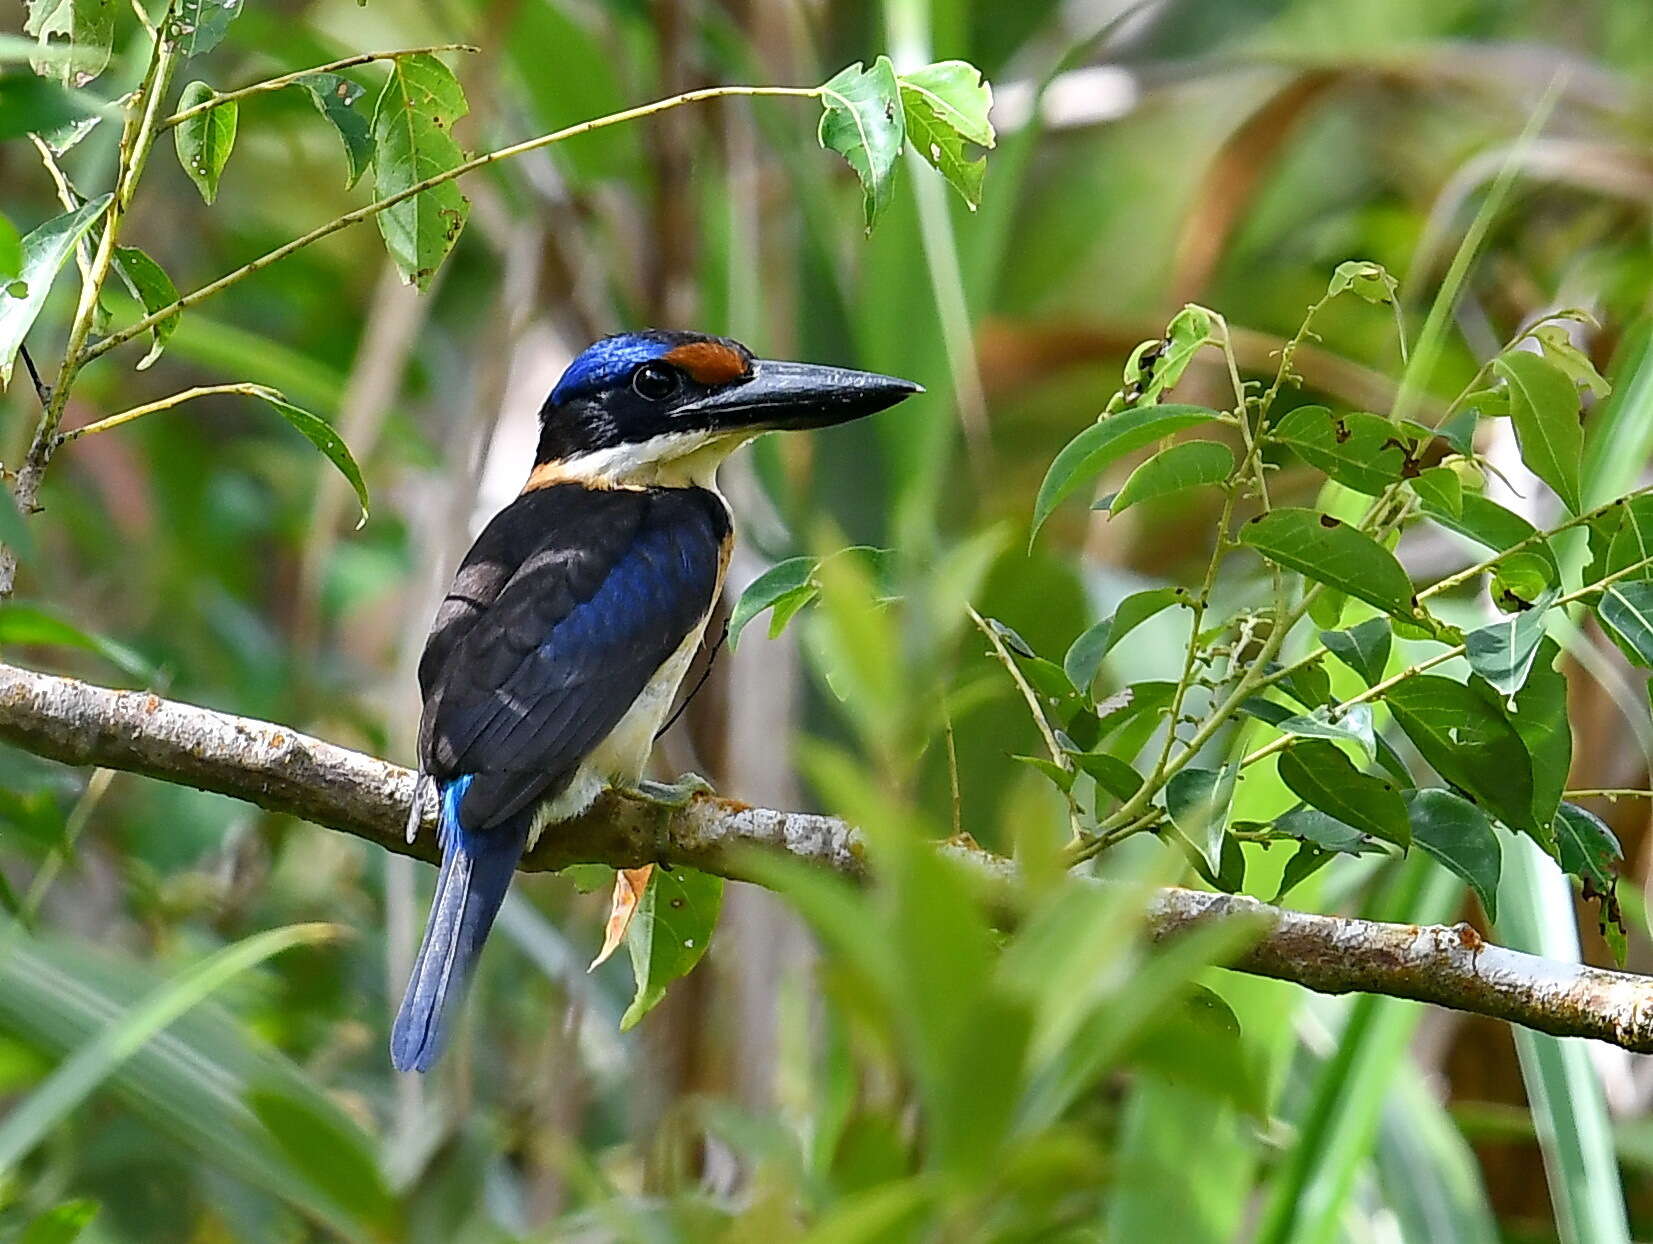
pixel 407 139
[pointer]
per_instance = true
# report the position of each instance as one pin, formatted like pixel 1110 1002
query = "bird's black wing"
pixel 566 606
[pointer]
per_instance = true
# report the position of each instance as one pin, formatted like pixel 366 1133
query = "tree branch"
pixel 284 771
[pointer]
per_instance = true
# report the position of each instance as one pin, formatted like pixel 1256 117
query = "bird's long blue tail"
pixel 476 872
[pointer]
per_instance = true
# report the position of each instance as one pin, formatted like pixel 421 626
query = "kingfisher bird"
pixel 570 623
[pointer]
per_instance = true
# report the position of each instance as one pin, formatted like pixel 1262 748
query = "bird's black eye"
pixel 655 381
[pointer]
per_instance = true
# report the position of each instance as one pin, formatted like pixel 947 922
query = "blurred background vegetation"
pixel 1231 152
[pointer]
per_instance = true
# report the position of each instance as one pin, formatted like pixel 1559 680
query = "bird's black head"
pixel 633 404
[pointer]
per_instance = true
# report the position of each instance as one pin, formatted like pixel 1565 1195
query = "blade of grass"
pixel 79 1076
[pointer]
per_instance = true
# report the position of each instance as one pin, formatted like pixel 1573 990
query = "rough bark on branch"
pixel 284 771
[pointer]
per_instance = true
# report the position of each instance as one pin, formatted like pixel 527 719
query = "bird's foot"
pixel 676 794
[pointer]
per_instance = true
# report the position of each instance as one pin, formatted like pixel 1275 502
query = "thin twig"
pixel 166 403
pixel 287 79
pixel 40 389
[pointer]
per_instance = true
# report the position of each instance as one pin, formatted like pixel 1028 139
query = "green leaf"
pixel 1359 450
pixel 62 1224
pixel 1110 773
pixel 336 98
pixel 1354 726
pixel 1098 445
pixel 946 106
pixel 1323 831
pixel 330 1155
pixel 1632 542
pixel 22 624
pixel 780 580
pixel 200 25
pixel 44 252
pixel 1366 279
pixel 1558 347
pixel 81 1073
pixel 1539 716
pixel 1155 366
pixel 1364 648
pixel 204 141
pixel 1197 800
pixel 1188 465
pixel 1440 488
pixel 1520 580
pixel 1459 835
pixel 86 26
pixel 1626 610
pixel 150 285
pixel 1470 744
pixel 1502 652
pixel 787 607
pixel 1084 658
pixel 320 433
pixel 1590 850
pixel 862 119
pixel 412 125
pixel 1307 860
pixel 1544 408
pixel 668 933
pixel 1321 775
pixel 1061 778
pixel 1332 552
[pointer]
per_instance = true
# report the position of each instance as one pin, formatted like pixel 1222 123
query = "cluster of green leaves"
pixel 1495 735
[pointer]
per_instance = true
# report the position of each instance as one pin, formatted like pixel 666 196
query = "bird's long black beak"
pixel 781 396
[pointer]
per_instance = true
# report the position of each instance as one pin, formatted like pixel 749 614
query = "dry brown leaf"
pixel 629 884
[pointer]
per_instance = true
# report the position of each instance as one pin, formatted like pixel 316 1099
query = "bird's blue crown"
pixel 605 362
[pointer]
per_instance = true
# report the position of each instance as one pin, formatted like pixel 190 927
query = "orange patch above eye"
pixel 709 362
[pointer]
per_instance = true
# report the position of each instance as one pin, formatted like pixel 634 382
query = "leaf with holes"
pixel 1470 744
pixel 1191 464
pixel 198 26
pixel 1198 800
pixel 320 433
pixel 1459 835
pixel 669 933
pixel 204 141
pixel 1544 409
pixel 1502 652
pixel 1154 367
pixel 780 581
pixel 412 124
pixel 150 285
pixel 1332 552
pixel 336 98
pixel 43 253
pixel 946 106
pixel 1101 443
pixel 1322 776
pixel 1590 851
pixel 1364 648
pixel 1626 609
pixel 862 120
pixel 1084 657
pixel 1362 451
pixel 75 37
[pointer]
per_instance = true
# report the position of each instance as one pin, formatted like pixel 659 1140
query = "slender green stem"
pixel 469 166
pixel 287 79
pixel 1608 792
pixel 1058 757
pixel 165 403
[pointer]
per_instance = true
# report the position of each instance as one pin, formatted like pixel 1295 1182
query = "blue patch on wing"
pixel 604 362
